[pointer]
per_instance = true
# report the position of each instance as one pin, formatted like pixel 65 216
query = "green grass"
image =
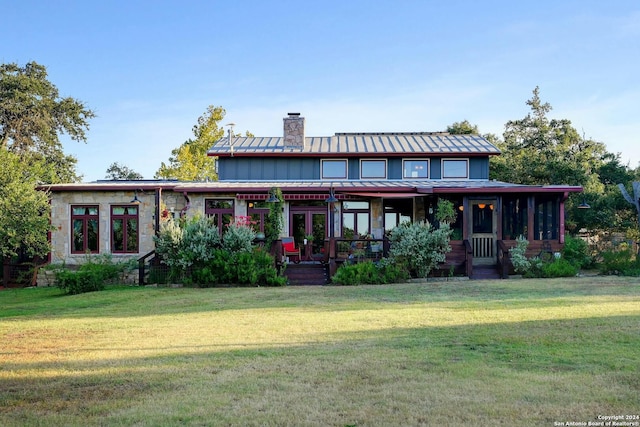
pixel 511 352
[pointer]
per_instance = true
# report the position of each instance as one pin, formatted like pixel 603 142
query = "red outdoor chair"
pixel 289 249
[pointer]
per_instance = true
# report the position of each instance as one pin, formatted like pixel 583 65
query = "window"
pixel 396 212
pixel 514 217
pixel 84 226
pixel 455 169
pixel 124 229
pixel 221 211
pixel 355 219
pixel 334 169
pixel 415 169
pixel 373 169
pixel 545 225
pixel 258 212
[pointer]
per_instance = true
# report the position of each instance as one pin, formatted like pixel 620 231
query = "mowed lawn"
pixel 467 353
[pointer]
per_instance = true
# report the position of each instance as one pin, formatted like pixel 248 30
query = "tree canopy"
pixel 538 150
pixel 33 116
pixel 117 171
pixel 24 222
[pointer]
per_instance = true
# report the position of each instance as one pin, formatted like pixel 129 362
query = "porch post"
pixel 561 217
pixel 531 201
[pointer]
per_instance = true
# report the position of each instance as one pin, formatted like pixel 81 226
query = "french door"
pixel 309 221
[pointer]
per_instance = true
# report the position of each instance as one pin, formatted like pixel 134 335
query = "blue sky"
pixel 150 69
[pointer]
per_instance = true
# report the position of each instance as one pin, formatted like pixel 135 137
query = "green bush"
pixel 238 238
pixel 78 282
pixel 196 255
pixel 369 273
pixel 92 274
pixel 621 262
pixel 559 268
pixel 519 260
pixel 576 251
pixel 419 246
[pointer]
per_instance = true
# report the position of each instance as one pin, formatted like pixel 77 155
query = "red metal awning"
pixel 384 195
pixel 292 196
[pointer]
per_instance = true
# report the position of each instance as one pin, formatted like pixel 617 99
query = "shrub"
pixel 238 237
pixel 559 268
pixel 621 262
pixel 92 274
pixel 576 251
pixel 197 255
pixel 369 273
pixel 186 243
pixel 419 247
pixel 519 260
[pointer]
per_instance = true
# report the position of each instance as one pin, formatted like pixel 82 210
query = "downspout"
pixel 156 226
pixel 184 210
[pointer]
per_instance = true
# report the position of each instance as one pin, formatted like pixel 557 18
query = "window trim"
pixel 346 168
pixel 355 211
pixel 85 218
pixel 416 160
pixel 384 161
pixel 220 212
pixel 442 163
pixel 125 235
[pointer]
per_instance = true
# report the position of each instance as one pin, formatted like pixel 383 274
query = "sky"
pixel 149 69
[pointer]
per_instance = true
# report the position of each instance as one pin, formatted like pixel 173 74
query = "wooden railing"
pixel 142 264
pixel 468 250
pixel 504 259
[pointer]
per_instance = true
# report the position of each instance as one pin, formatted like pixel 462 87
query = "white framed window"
pixel 455 168
pixel 370 169
pixel 333 169
pixel 415 168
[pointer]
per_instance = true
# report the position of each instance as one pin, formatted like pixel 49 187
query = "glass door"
pixel 309 224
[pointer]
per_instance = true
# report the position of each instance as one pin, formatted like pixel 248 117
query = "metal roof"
pixel 374 188
pixel 350 144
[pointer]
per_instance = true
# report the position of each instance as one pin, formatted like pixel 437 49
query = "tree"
pixel 190 162
pixel 33 116
pixel 24 222
pixel 463 128
pixel 540 151
pixel 117 171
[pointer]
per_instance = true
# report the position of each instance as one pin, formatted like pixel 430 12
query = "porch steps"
pixel 306 273
pixel 485 272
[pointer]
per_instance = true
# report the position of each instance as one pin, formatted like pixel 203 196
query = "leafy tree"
pixel 463 128
pixel 24 222
pixel 33 115
pixel 117 171
pixel 540 151
pixel 190 162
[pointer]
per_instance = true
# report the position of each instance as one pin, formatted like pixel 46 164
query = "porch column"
pixel 563 199
pixel 531 201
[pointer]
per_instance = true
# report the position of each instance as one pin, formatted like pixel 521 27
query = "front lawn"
pixel 510 352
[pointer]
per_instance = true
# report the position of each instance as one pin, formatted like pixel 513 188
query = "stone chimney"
pixel 294 132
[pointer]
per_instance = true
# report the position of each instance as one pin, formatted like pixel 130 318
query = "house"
pixel 373 182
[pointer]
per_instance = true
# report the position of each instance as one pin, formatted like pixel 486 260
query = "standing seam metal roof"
pixel 357 144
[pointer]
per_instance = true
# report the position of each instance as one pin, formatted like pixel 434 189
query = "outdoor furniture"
pixel 290 250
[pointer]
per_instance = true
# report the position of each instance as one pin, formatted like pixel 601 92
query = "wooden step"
pixel 485 272
pixel 306 274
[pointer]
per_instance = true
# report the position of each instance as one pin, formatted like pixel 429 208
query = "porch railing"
pixel 504 259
